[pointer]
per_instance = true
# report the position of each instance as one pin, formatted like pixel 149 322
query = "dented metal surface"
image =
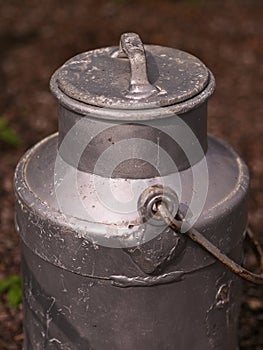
pixel 223 310
pixel 97 278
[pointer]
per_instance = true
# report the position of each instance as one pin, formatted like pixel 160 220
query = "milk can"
pixel 131 217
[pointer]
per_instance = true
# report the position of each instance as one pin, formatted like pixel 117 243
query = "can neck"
pixel 143 149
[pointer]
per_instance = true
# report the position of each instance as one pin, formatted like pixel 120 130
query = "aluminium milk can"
pixel 101 267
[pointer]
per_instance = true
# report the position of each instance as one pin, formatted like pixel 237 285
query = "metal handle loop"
pixel 197 237
pixel 132 47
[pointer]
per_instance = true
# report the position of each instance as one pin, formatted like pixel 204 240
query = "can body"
pixel 70 301
pixel 67 311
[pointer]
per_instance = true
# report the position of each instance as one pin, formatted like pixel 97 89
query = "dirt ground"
pixel 36 37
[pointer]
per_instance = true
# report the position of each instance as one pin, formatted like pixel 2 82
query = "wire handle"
pixel 197 237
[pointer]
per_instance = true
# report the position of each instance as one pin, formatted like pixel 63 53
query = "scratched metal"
pixel 84 78
pixel 80 295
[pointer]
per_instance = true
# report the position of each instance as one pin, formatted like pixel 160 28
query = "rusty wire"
pixel 202 241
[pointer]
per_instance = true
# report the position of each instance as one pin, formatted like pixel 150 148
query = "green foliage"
pixel 13 289
pixel 8 135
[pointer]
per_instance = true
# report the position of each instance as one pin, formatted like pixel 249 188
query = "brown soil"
pixel 36 37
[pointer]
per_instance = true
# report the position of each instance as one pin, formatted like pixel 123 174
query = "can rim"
pixel 131 114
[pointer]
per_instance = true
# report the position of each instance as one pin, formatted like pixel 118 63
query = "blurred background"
pixel 36 37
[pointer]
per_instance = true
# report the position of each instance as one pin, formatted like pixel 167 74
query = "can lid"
pixel 132 76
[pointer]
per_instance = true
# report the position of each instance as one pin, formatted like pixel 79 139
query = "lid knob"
pixel 132 47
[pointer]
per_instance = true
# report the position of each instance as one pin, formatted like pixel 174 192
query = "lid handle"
pixel 132 47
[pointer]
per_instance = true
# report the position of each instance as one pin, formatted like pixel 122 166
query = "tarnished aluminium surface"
pixel 130 78
pixel 99 78
pixel 97 278
pixel 64 251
